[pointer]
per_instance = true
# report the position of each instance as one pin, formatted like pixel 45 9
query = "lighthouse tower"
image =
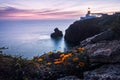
pixel 88 13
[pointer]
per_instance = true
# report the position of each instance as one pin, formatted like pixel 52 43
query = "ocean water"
pixel 30 38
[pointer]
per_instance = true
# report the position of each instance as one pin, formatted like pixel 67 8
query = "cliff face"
pixel 81 30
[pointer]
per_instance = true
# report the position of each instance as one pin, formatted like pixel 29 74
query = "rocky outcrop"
pixel 104 52
pixel 104 61
pixel 104 58
pixel 57 33
pixel 106 35
pixel 101 58
pixel 106 72
pixel 81 30
pixel 69 78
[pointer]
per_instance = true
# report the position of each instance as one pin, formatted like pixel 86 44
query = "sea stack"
pixel 57 33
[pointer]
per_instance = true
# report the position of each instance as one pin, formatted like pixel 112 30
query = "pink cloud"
pixel 14 13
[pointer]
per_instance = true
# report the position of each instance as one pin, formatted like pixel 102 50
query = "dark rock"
pixel 81 30
pixel 57 33
pixel 106 72
pixel 105 52
pixel 69 78
pixel 106 35
pixel 104 60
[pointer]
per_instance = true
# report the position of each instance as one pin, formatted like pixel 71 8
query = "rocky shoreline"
pixel 91 62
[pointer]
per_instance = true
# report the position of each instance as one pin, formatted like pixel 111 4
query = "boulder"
pixel 104 52
pixel 106 72
pixel 57 33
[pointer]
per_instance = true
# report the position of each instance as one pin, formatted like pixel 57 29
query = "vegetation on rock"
pixel 48 66
pixel 54 65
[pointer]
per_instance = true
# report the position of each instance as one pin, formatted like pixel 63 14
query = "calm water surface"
pixel 31 37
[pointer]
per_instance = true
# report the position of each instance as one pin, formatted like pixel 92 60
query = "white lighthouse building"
pixel 88 15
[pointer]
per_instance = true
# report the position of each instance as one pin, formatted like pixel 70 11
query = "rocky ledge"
pixel 106 72
pixel 70 78
pixel 104 52
pixel 104 57
pixel 104 61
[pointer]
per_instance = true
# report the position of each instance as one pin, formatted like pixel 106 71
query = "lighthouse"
pixel 88 11
pixel 88 15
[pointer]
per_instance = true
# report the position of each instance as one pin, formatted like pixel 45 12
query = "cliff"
pixel 83 29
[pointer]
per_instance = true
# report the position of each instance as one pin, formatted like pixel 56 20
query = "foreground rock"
pixel 104 60
pixel 106 72
pixel 69 78
pixel 57 33
pixel 104 52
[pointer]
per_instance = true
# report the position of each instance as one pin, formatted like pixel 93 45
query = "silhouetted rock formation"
pixel 81 30
pixel 57 33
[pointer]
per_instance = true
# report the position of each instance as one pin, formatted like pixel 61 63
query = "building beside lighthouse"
pixel 88 15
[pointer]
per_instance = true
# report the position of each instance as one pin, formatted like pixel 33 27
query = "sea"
pixel 29 38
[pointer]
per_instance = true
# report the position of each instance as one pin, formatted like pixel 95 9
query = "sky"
pixel 54 9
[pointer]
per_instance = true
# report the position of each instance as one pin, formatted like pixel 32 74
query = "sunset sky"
pixel 54 9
